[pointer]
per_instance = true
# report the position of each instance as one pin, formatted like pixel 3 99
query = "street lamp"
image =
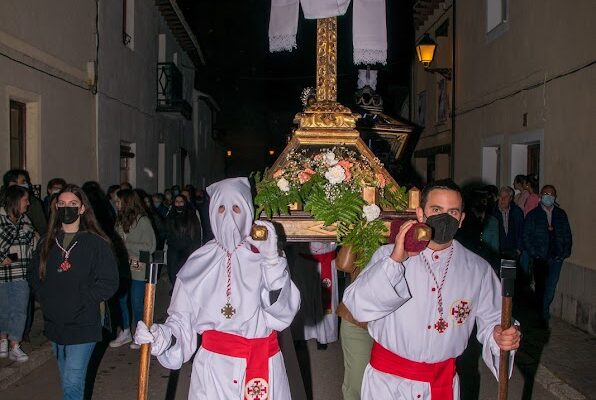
pixel 425 49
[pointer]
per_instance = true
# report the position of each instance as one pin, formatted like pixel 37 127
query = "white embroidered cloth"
pixel 369 30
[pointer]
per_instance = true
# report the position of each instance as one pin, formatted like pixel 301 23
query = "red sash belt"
pixel 326 277
pixel 439 375
pixel 256 352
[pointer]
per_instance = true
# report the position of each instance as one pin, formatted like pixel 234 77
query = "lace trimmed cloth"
pixel 369 25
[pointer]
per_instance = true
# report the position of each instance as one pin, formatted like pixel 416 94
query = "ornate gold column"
pixel 327 59
pixel 326 113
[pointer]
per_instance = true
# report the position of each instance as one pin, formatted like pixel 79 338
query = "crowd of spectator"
pixel 524 224
pixel 33 237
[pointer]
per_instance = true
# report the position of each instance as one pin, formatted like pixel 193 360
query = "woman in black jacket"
pixel 72 272
pixel 183 235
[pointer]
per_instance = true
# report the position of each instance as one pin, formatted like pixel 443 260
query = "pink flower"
pixel 278 173
pixel 381 180
pixel 304 176
pixel 346 165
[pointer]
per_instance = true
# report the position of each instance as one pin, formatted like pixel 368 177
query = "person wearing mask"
pixel 158 200
pixel 237 293
pixel 54 186
pixel 421 308
pixel 35 212
pixel 175 191
pixel 547 239
pixel 134 227
pixel 73 271
pixel 183 235
pixel 17 242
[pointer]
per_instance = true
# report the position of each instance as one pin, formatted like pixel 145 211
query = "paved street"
pixel 116 379
pixel 116 374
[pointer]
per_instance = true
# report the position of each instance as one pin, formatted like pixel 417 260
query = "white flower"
pixel 335 175
pixel 283 185
pixel 371 212
pixel 330 159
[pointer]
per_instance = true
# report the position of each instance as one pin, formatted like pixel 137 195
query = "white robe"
pixel 399 304
pixel 199 295
pixel 311 322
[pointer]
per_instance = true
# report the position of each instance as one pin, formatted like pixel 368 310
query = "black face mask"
pixel 179 209
pixel 444 227
pixel 68 215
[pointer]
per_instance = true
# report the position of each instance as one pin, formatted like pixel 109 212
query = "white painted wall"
pixel 60 116
pixel 127 97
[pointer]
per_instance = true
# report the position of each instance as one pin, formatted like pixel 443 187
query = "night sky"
pixel 259 92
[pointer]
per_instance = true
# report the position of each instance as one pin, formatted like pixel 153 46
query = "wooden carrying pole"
pixel 508 272
pixel 145 352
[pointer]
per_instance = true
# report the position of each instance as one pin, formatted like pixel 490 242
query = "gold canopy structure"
pixel 325 124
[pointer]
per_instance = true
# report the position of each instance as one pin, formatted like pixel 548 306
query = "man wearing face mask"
pixel 421 307
pixel 547 239
pixel 237 293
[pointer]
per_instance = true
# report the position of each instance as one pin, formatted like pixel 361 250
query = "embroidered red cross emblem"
pixel 460 311
pixel 257 389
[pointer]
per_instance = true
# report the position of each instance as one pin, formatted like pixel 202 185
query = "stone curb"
pixel 15 371
pixel 549 381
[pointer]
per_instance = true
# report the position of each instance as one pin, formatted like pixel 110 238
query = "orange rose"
pixel 304 176
pixel 278 173
pixel 346 165
pixel 381 180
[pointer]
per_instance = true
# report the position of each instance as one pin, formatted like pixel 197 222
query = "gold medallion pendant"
pixel 228 311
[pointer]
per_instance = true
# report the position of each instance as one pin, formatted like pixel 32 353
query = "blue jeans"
pixel 14 298
pixel 137 300
pixel 73 360
pixel 546 275
pixel 136 294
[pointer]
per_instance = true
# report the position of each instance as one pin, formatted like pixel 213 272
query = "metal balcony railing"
pixel 170 98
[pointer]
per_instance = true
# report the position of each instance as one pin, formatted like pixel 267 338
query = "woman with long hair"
pixel 17 242
pixel 73 271
pixel 134 227
pixel 183 235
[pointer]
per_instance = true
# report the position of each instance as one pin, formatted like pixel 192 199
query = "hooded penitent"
pixel 207 268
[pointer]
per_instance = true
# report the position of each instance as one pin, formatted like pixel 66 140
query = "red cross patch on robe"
pixel 460 311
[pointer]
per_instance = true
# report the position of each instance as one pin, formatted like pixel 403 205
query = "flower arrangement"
pixel 329 184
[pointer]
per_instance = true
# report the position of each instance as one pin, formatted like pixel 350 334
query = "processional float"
pixel 327 185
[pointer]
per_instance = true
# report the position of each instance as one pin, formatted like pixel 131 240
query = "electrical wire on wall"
pixel 44 71
pixel 542 83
